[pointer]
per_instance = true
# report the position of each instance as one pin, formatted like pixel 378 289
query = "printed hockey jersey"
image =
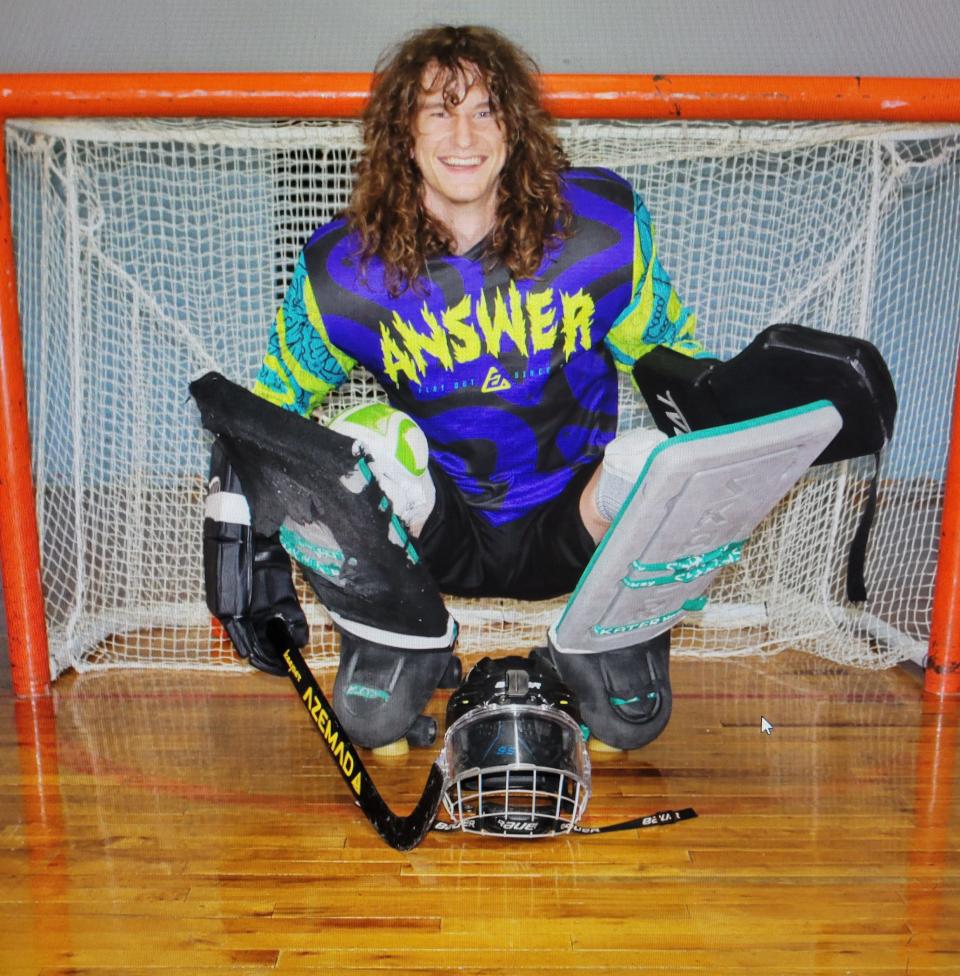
pixel 514 383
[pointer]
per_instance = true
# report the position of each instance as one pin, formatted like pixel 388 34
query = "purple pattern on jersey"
pixel 510 381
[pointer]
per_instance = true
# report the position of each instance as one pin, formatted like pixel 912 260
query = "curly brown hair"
pixel 386 208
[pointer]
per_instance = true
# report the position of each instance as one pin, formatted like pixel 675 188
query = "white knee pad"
pixel 399 452
pixel 623 460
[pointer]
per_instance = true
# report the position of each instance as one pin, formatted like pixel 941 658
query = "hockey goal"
pixel 152 245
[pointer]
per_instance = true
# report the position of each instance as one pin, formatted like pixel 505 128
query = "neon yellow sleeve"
pixel 655 315
pixel 302 365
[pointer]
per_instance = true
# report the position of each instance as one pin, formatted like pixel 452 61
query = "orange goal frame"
pixel 342 95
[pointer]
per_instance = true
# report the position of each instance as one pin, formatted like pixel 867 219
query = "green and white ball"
pixel 399 453
pixel 387 435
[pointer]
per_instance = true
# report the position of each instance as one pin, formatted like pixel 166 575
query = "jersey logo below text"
pixel 495 381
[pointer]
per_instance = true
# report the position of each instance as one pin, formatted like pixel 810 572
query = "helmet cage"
pixel 516 771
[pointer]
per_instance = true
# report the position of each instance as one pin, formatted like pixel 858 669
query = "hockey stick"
pixel 401 833
pixel 659 819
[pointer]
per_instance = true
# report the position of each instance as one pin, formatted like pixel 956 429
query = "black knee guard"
pixel 624 695
pixel 380 692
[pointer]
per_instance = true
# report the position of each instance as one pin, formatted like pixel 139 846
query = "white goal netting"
pixel 151 251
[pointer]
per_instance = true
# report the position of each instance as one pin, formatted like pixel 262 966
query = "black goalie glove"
pixel 247 577
pixel 786 366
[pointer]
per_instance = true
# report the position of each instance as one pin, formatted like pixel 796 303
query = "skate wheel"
pixel 601 748
pixel 453 674
pixel 391 749
pixel 423 732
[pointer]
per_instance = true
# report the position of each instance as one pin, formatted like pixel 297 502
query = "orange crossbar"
pixel 342 95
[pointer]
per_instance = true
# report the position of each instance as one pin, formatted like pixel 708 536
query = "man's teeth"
pixel 472 161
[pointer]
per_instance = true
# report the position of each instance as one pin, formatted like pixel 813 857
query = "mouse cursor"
pixel 765 726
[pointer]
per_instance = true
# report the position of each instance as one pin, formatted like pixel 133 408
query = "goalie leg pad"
pixel 385 677
pixel 624 695
pixel 314 487
pixel 695 503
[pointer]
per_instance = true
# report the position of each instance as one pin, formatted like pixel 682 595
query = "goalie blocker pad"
pixel 305 482
pixel 227 542
pixel 696 501
pixel 247 577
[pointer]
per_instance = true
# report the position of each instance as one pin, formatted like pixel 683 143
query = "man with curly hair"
pixel 495 293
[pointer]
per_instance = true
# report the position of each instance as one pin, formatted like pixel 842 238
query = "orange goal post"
pixel 136 211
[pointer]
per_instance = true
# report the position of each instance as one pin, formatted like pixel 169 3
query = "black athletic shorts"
pixel 540 555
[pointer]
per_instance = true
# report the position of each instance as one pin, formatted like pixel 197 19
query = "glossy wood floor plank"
pixel 173 824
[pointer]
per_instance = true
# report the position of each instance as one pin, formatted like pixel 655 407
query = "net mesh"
pixel 151 251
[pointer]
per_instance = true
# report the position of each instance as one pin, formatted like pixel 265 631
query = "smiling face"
pixel 459 148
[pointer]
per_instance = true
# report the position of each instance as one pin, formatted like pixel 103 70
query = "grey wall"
pixel 871 37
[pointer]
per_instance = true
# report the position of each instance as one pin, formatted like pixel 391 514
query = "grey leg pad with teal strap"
pixel 697 499
pixel 624 695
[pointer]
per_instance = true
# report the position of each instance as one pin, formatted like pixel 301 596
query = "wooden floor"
pixel 189 824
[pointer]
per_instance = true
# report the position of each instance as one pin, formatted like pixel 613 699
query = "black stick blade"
pixel 401 833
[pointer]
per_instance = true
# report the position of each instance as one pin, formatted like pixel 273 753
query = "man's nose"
pixel 463 129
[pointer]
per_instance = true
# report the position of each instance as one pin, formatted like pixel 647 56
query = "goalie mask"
pixel 514 754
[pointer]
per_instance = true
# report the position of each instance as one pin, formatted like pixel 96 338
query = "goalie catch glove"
pixel 247 577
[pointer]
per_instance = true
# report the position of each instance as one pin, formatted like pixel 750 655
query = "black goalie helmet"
pixel 514 753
